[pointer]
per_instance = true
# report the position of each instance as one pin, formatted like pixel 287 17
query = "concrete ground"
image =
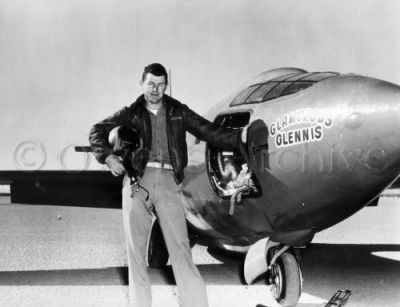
pixel 63 256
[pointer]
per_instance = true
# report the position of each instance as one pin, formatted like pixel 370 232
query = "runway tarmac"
pixel 64 256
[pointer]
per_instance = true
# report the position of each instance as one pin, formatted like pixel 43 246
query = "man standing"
pixel 162 123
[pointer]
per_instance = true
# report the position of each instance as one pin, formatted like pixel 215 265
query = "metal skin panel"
pixel 255 262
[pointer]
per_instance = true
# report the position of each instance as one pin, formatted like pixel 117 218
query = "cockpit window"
pixel 277 90
pixel 280 86
pixel 295 87
pixel 319 76
pixel 258 95
pixel 244 94
pixel 284 77
pixel 297 77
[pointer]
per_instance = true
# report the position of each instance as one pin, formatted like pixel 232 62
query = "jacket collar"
pixel 169 101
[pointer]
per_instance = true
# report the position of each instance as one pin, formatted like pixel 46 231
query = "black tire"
pixel 285 279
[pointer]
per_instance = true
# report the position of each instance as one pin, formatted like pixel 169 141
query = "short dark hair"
pixel 155 69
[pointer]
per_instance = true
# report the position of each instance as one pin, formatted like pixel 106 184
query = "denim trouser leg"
pixel 137 222
pixel 165 196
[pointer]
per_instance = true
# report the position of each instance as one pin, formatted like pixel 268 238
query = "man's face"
pixel 154 88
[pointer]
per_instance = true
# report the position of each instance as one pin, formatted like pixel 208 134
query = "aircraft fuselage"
pixel 319 155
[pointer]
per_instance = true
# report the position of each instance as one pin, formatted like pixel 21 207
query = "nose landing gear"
pixel 284 277
pixel 280 267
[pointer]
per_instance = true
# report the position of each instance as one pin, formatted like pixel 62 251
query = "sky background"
pixel 66 64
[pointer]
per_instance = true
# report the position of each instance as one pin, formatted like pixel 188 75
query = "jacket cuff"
pixel 102 156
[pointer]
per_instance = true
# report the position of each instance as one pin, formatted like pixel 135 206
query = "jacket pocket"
pixel 178 117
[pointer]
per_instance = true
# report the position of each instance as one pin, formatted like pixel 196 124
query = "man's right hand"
pixel 115 165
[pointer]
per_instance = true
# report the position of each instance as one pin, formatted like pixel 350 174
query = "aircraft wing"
pixel 64 188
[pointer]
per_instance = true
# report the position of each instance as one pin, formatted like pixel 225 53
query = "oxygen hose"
pixel 136 184
pixel 237 197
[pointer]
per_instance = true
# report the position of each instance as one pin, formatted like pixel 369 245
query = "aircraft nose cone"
pixel 374 120
pixel 354 120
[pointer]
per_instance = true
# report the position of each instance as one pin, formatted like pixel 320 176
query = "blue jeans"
pixel 165 198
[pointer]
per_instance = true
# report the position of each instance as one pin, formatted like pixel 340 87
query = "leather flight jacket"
pixel 179 120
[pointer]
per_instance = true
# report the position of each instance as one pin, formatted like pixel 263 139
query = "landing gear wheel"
pixel 285 280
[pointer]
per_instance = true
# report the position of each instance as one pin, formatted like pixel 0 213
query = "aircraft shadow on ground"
pixel 350 266
pixel 323 265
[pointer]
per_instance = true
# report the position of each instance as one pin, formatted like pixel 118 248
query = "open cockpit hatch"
pixel 228 170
